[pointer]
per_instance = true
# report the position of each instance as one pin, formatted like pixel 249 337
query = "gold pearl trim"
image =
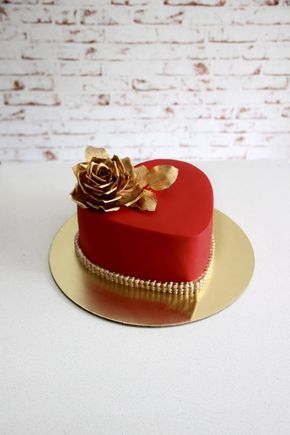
pixel 185 287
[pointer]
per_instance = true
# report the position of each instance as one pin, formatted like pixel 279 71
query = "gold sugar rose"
pixel 105 183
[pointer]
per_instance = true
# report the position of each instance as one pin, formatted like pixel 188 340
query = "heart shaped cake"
pixel 169 245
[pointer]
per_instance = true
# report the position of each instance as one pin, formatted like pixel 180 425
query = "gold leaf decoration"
pixel 162 176
pixel 98 153
pixel 106 184
pixel 148 201
pixel 141 173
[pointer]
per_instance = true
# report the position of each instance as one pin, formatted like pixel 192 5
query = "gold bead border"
pixel 185 287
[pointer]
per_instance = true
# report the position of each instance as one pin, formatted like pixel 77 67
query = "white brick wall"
pixel 191 79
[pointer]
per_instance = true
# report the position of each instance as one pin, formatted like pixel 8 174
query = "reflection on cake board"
pixel 232 270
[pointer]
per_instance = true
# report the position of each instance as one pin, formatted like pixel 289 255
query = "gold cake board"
pixel 232 270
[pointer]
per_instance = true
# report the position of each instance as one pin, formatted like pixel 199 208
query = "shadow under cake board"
pixel 232 270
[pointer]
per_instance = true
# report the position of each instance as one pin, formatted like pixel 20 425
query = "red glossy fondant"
pixel 171 243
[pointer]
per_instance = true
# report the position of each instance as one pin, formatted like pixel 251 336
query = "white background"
pixel 64 371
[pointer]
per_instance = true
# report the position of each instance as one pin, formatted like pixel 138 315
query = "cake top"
pixel 128 192
pixel 185 209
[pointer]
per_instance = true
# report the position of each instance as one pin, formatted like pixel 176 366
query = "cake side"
pixel 170 244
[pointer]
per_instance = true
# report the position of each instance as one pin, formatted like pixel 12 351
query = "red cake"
pixel 171 245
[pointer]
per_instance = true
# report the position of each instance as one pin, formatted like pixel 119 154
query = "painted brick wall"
pixel 195 79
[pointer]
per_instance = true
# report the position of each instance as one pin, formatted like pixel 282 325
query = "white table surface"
pixel 64 371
